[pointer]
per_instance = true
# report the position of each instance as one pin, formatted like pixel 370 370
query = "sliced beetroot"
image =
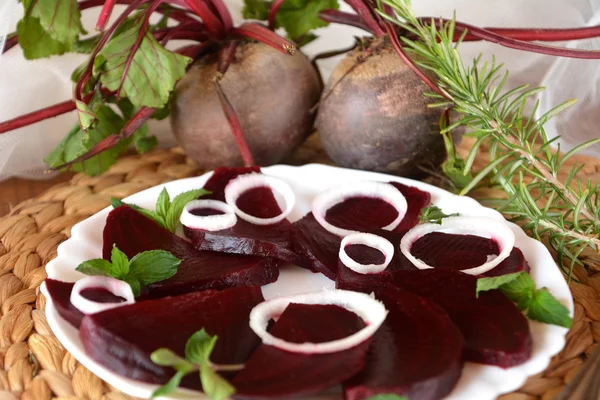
pixel 60 293
pixel 100 295
pixel 122 339
pixel 459 252
pixel 275 373
pixel 133 233
pixel 362 214
pixel 319 248
pixel 244 237
pixel 416 352
pixel 494 330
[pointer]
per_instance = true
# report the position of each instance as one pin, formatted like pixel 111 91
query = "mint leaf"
pixel 147 213
pixel 494 282
pixel 98 267
pixel 170 386
pixel 152 74
pixel 434 214
pixel 168 358
pixel 215 386
pixel 389 396
pixel 163 203
pixel 176 208
pixel 61 19
pixel 86 116
pixel 36 42
pixel 153 266
pixel 135 285
pixel 520 290
pixel 545 308
pixel 199 347
pixel 120 263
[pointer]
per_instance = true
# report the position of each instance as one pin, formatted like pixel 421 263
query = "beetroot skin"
pixel 133 233
pixel 123 338
pixel 274 373
pixel 273 240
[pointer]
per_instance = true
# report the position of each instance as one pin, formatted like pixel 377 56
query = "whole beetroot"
pixel 272 94
pixel 373 114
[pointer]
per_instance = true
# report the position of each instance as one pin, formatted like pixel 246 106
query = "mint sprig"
pixel 198 349
pixel 537 304
pixel 433 214
pixel 143 269
pixel 167 212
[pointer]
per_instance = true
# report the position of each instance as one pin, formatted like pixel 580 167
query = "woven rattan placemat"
pixel 34 365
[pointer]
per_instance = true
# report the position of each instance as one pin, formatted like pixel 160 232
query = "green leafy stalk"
pixel 143 269
pixel 198 349
pixel 521 162
pixel 167 213
pixel 537 304
pixel 434 214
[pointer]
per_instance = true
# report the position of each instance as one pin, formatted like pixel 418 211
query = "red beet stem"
pixel 105 14
pixel 10 43
pixel 223 14
pixel 410 63
pixel 189 30
pixel 266 36
pixel 236 127
pixel 37 116
pixel 365 12
pixel 192 51
pixel 341 17
pixel 273 13
pixel 522 45
pixel 225 56
pixel 110 141
pixel 213 25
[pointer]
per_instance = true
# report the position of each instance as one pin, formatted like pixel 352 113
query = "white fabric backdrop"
pixel 29 85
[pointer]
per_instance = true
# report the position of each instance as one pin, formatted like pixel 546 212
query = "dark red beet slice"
pixel 123 338
pixel 416 352
pixel 319 248
pixel 133 233
pixel 246 238
pixel 361 214
pixel 494 330
pixel 274 373
pixel 60 292
pixel 100 295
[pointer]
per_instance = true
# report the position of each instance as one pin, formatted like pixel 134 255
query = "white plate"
pixel 478 382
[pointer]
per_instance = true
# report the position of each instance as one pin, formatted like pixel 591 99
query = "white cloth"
pixel 29 85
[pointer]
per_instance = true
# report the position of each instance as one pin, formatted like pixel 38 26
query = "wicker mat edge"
pixel 35 366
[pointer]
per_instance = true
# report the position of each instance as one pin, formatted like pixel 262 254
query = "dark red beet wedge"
pixel 246 238
pixel 444 250
pixel 275 373
pixel 319 248
pixel 60 293
pixel 415 353
pixel 133 233
pixel 123 338
pixel 494 330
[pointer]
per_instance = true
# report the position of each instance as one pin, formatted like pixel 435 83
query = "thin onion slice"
pixel 373 241
pixel 114 286
pixel 490 228
pixel 372 312
pixel 381 190
pixel 210 223
pixel 237 186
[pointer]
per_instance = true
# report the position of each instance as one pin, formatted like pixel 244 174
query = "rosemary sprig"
pixel 521 163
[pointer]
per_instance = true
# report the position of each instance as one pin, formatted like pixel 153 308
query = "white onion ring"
pixel 242 183
pixel 381 190
pixel 372 311
pixel 490 228
pixel 210 223
pixel 373 241
pixel 114 286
